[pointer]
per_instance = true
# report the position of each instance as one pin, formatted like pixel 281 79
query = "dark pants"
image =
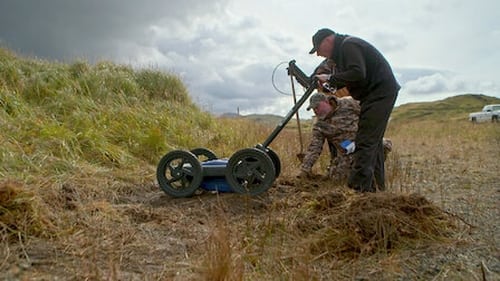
pixel 369 155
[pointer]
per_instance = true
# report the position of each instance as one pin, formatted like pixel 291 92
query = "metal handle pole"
pixel 297 115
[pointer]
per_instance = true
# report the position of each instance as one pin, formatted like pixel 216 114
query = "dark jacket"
pixel 362 68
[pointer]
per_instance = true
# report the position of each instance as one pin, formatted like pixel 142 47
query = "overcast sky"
pixel 225 51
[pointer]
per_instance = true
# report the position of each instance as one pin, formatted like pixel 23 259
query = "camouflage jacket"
pixel 343 120
pixel 339 125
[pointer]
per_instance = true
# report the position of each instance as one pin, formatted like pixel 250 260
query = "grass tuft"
pixel 363 225
pixel 21 212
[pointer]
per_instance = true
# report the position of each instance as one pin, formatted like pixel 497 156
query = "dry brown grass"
pixel 436 221
pixel 222 260
pixel 353 226
pixel 22 212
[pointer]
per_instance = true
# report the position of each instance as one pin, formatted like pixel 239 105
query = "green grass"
pixel 104 115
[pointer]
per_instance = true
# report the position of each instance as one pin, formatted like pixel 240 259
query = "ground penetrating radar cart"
pixel 248 171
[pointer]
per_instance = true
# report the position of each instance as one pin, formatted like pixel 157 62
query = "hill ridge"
pixel 450 108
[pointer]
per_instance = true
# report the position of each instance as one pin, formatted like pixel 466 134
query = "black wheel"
pixel 250 171
pixel 474 120
pixel 494 118
pixel 204 154
pixel 276 160
pixel 179 173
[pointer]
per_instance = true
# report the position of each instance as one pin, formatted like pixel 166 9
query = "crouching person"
pixel 337 121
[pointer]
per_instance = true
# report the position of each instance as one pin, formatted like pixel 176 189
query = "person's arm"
pixel 313 150
pixel 355 67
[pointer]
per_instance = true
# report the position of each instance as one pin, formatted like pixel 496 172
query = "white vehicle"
pixel 490 112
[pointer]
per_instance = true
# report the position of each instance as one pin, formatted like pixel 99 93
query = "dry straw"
pixel 349 225
pixel 21 212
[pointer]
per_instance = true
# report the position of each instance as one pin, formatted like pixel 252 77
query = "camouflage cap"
pixel 315 99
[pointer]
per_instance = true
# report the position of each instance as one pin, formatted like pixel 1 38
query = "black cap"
pixel 318 38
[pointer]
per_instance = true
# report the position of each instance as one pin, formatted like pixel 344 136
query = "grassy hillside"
pixel 452 108
pixel 57 117
pixel 265 119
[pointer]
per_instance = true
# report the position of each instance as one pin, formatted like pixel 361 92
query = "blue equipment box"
pixel 214 176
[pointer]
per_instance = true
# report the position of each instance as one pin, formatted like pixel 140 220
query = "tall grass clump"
pixel 104 114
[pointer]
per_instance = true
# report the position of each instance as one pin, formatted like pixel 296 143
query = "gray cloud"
pixel 225 51
pixel 405 75
pixel 92 28
pixel 436 82
pixel 431 84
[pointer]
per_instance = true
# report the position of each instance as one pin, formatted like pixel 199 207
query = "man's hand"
pixel 323 77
